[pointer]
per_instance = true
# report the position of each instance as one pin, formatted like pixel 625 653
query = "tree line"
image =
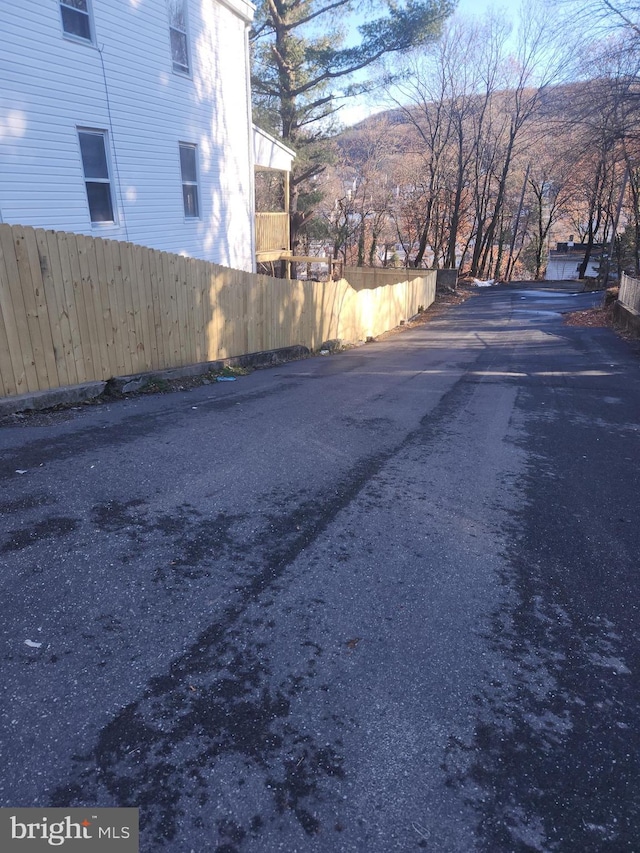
pixel 491 146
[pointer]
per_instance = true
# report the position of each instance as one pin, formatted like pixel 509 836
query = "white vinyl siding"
pixel 76 19
pixel 52 86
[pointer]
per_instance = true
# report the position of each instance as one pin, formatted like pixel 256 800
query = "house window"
pixel 189 169
pixel 178 35
pixel 96 174
pixel 76 20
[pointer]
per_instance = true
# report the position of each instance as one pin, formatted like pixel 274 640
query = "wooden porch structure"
pixel 273 228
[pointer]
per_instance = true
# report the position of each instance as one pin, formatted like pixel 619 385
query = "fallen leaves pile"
pixel 591 317
pixel 601 317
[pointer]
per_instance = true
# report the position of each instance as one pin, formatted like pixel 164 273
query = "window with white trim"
pixel 178 36
pixel 93 147
pixel 189 171
pixel 76 19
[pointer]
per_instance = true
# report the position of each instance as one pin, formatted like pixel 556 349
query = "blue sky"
pixel 478 7
pixel 358 109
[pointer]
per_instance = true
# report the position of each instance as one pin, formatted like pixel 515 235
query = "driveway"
pixel 385 600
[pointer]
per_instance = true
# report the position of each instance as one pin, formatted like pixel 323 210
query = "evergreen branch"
pixel 300 21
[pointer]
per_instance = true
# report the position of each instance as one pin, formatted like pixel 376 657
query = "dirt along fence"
pixel 77 309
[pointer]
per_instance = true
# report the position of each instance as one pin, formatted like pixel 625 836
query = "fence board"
pixel 84 293
pixel 159 307
pixel 221 312
pixel 116 310
pixel 173 332
pixel 104 279
pixel 78 296
pixel 213 313
pixel 198 320
pixel 66 295
pixel 92 293
pixel 26 377
pixel 7 376
pixel 129 340
pixel 28 288
pixel 7 381
pixel 99 275
pixel 147 278
pixel 144 308
pixel 151 275
pixel 54 307
pixel 137 308
pixel 171 318
pixel 146 297
pixel 11 365
pixel 181 301
pixel 42 310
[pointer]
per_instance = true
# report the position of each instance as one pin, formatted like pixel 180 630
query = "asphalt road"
pixel 385 600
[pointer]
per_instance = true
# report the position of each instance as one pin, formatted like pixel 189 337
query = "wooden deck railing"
pixel 272 233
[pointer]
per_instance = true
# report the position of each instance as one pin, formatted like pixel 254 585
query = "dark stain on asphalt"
pixel 372 424
pixel 49 528
pixel 164 747
pixel 195 542
pixel 218 699
pixel 199 540
pixel 25 503
pixel 114 516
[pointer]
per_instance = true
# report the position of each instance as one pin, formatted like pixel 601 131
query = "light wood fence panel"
pixel 629 293
pixel 12 369
pixel 76 309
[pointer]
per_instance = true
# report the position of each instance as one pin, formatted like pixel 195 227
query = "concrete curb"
pixel 628 317
pixel 122 385
pixel 37 400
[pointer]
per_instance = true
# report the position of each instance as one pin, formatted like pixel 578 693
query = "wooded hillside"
pixel 488 159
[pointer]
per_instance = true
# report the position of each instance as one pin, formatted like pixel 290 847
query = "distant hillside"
pixel 556 106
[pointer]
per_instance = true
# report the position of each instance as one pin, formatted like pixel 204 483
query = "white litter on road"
pixel 32 644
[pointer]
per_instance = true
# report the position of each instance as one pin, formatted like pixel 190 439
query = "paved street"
pixel 385 600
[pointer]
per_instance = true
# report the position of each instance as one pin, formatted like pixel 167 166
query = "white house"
pixel 130 120
pixel 565 260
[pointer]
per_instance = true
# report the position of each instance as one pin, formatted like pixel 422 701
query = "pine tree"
pixel 302 66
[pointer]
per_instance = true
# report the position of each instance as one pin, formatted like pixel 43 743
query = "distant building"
pixel 565 260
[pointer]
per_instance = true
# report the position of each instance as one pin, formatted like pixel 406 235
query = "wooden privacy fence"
pixel 75 309
pixel 629 293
